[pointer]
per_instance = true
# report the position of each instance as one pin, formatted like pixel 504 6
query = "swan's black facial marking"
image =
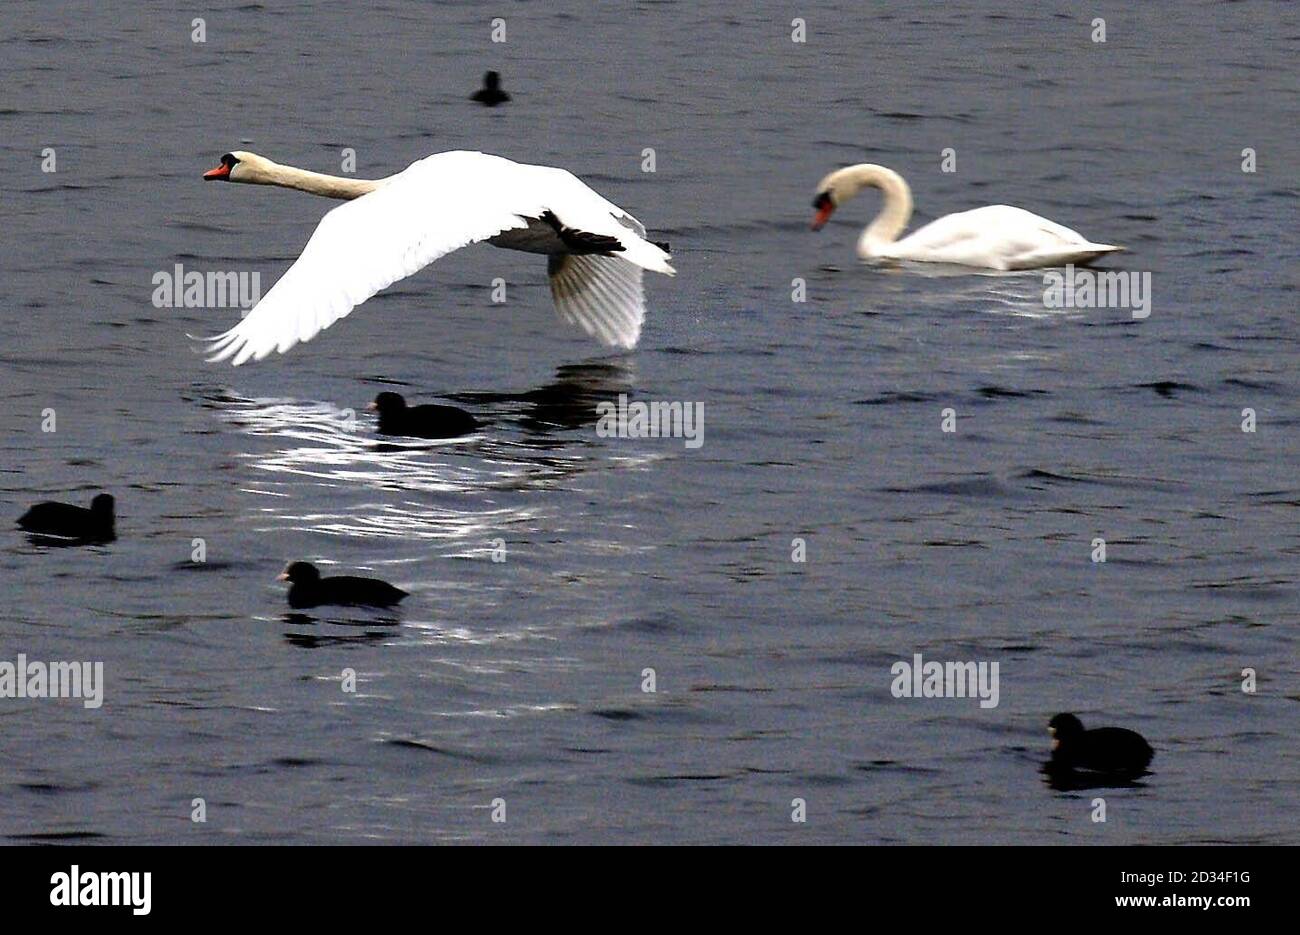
pixel 222 172
pixel 825 206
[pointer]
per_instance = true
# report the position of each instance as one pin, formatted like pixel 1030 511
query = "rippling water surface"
pixel 521 680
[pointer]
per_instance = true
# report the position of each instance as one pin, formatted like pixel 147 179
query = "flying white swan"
pixel 996 237
pixel 392 227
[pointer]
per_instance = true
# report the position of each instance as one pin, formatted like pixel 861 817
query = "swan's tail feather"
pixel 1093 251
pixel 602 295
pixel 648 255
pixel 1080 253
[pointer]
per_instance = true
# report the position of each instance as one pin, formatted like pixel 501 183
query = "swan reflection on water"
pixel 460 489
pixel 567 402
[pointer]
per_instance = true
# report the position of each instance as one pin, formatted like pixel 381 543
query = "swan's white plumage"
pixel 997 237
pixel 437 205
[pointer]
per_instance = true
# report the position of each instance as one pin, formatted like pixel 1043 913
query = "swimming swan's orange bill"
pixel 823 215
pixel 220 172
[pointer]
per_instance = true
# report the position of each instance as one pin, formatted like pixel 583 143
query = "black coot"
pixel 72 522
pixel 490 95
pixel 429 421
pixel 1115 751
pixel 308 589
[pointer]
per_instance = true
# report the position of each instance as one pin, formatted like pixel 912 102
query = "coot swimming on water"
pixel 490 95
pixel 1111 750
pixel 308 589
pixel 428 421
pixel 72 522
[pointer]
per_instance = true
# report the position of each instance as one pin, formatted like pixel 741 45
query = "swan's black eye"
pixel 822 200
pixel 229 161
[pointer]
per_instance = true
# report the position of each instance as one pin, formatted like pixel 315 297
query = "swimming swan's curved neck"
pixel 315 183
pixel 894 213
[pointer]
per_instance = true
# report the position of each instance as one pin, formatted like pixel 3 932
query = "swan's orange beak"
pixel 825 208
pixel 220 172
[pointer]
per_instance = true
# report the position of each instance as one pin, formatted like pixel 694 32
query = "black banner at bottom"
pixel 138 885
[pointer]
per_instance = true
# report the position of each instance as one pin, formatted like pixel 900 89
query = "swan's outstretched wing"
pixel 600 294
pixel 437 205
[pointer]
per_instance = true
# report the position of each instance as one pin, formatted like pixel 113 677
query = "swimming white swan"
pixel 392 227
pixel 997 237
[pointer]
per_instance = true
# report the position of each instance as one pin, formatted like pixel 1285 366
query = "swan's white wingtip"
pixel 220 347
pixel 217 355
pixel 214 347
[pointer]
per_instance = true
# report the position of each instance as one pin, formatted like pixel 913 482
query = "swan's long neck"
pixel 894 214
pixel 315 183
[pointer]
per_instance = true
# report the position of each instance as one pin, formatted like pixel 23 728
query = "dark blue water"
pixel 521 680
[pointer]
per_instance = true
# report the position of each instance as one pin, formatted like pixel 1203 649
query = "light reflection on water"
pixel 458 491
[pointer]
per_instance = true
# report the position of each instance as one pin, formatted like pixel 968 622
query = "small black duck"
pixel 66 521
pixel 490 95
pixel 308 589
pixel 427 421
pixel 1114 751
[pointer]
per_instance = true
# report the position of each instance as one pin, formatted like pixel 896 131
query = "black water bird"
pixel 1113 751
pixel 490 95
pixel 63 520
pixel 428 421
pixel 308 589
